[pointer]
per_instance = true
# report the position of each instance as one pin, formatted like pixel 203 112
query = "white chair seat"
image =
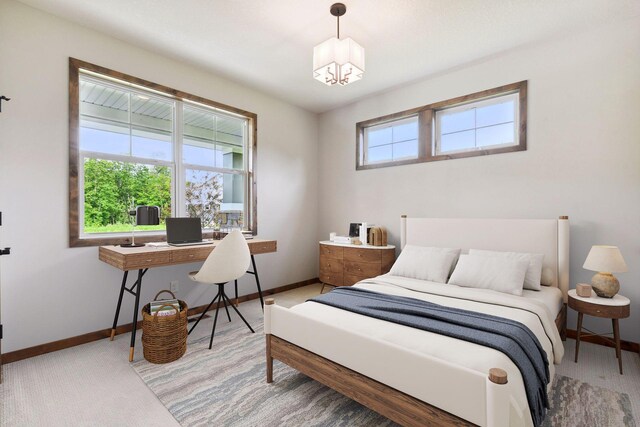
pixel 228 261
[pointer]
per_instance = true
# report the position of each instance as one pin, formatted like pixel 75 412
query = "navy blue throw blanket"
pixel 512 338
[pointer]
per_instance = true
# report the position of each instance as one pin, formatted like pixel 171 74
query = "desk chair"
pixel 229 261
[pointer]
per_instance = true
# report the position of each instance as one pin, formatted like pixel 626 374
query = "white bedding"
pixel 538 313
pixel 549 296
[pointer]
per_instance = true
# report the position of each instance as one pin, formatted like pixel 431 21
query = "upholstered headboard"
pixel 543 236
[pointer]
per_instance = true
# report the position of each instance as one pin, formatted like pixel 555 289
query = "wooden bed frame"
pixel 383 399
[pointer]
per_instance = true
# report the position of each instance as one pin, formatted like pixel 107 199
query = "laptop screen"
pixel 184 230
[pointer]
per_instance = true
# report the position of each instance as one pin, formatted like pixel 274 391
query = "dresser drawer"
pixel 351 279
pixel 331 278
pixel 191 254
pixel 362 255
pixel 148 259
pixel 366 269
pixel 330 251
pixel 330 265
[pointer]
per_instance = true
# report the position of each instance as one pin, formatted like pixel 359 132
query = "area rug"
pixel 226 386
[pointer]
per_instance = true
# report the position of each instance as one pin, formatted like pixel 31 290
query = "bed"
pixel 415 377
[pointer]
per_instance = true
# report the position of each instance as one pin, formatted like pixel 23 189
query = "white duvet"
pixel 468 356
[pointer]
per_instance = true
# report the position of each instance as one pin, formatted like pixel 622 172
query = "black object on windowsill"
pixel 145 215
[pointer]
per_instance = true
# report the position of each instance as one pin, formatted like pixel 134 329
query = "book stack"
pixel 156 307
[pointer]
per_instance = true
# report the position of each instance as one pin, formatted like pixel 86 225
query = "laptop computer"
pixel 184 232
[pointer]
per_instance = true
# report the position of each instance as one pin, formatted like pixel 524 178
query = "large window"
pixel 133 142
pixel 488 122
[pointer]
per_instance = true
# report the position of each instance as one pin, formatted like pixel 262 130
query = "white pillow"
pixel 534 271
pixel 500 274
pixel 425 263
pixel 547 277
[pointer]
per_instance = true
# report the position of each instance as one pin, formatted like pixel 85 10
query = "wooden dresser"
pixel 344 265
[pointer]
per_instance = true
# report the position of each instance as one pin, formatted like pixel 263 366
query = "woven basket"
pixel 164 338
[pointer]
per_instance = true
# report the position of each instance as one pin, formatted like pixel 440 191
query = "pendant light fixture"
pixel 338 61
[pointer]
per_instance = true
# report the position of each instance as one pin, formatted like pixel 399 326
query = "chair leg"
pixel 215 320
pixel 236 310
pixel 236 286
pixel 203 313
pixel 226 309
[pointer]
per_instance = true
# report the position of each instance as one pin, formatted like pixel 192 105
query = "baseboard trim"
pixel 25 353
pixel 624 345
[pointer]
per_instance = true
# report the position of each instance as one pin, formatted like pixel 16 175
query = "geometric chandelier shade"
pixel 338 61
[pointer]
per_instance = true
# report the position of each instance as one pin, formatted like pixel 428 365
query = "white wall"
pixel 583 156
pixel 43 278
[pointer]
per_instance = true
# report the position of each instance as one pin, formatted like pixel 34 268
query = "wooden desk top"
pixel 126 259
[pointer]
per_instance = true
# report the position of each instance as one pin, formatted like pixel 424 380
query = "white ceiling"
pixel 268 44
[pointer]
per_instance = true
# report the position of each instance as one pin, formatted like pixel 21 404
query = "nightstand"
pixel 344 265
pixel 614 308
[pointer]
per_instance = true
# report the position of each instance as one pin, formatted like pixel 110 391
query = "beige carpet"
pixel 226 386
pixel 94 384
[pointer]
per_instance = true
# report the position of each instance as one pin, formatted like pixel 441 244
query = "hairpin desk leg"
pixel 255 273
pixel 135 315
pixel 115 318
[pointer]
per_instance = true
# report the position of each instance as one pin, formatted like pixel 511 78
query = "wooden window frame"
pixel 75 239
pixel 426 116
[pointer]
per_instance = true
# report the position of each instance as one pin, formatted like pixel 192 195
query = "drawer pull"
pixel 149 260
pixel 191 255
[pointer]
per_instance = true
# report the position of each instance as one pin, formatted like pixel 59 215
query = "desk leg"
pixel 135 315
pixel 616 337
pixel 115 319
pixel 255 273
pixel 578 336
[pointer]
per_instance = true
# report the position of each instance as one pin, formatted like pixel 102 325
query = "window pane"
pixel 216 198
pixel 457 141
pixel 404 150
pixel 229 156
pixel 230 130
pixel 109 187
pixel 406 131
pixel 198 124
pixel 151 145
pixel 458 121
pixel 495 135
pixel 151 113
pixel 218 139
pixel 495 114
pixel 103 102
pixel 380 154
pixel 196 153
pixel 379 136
pixel 108 138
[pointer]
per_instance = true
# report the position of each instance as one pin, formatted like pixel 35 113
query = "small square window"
pixel 391 141
pixel 485 124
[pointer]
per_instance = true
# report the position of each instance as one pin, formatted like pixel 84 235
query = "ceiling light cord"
pixel 338 18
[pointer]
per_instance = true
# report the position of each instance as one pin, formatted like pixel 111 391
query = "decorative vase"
pixel 605 285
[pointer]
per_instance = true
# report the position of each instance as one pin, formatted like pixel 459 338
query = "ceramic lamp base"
pixel 605 285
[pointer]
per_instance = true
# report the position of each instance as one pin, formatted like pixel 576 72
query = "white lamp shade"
pixel 606 259
pixel 338 61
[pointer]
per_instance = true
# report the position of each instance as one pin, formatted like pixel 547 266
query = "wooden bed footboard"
pixel 387 401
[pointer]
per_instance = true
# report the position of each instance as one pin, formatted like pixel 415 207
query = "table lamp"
pixel 605 260
pixel 145 215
